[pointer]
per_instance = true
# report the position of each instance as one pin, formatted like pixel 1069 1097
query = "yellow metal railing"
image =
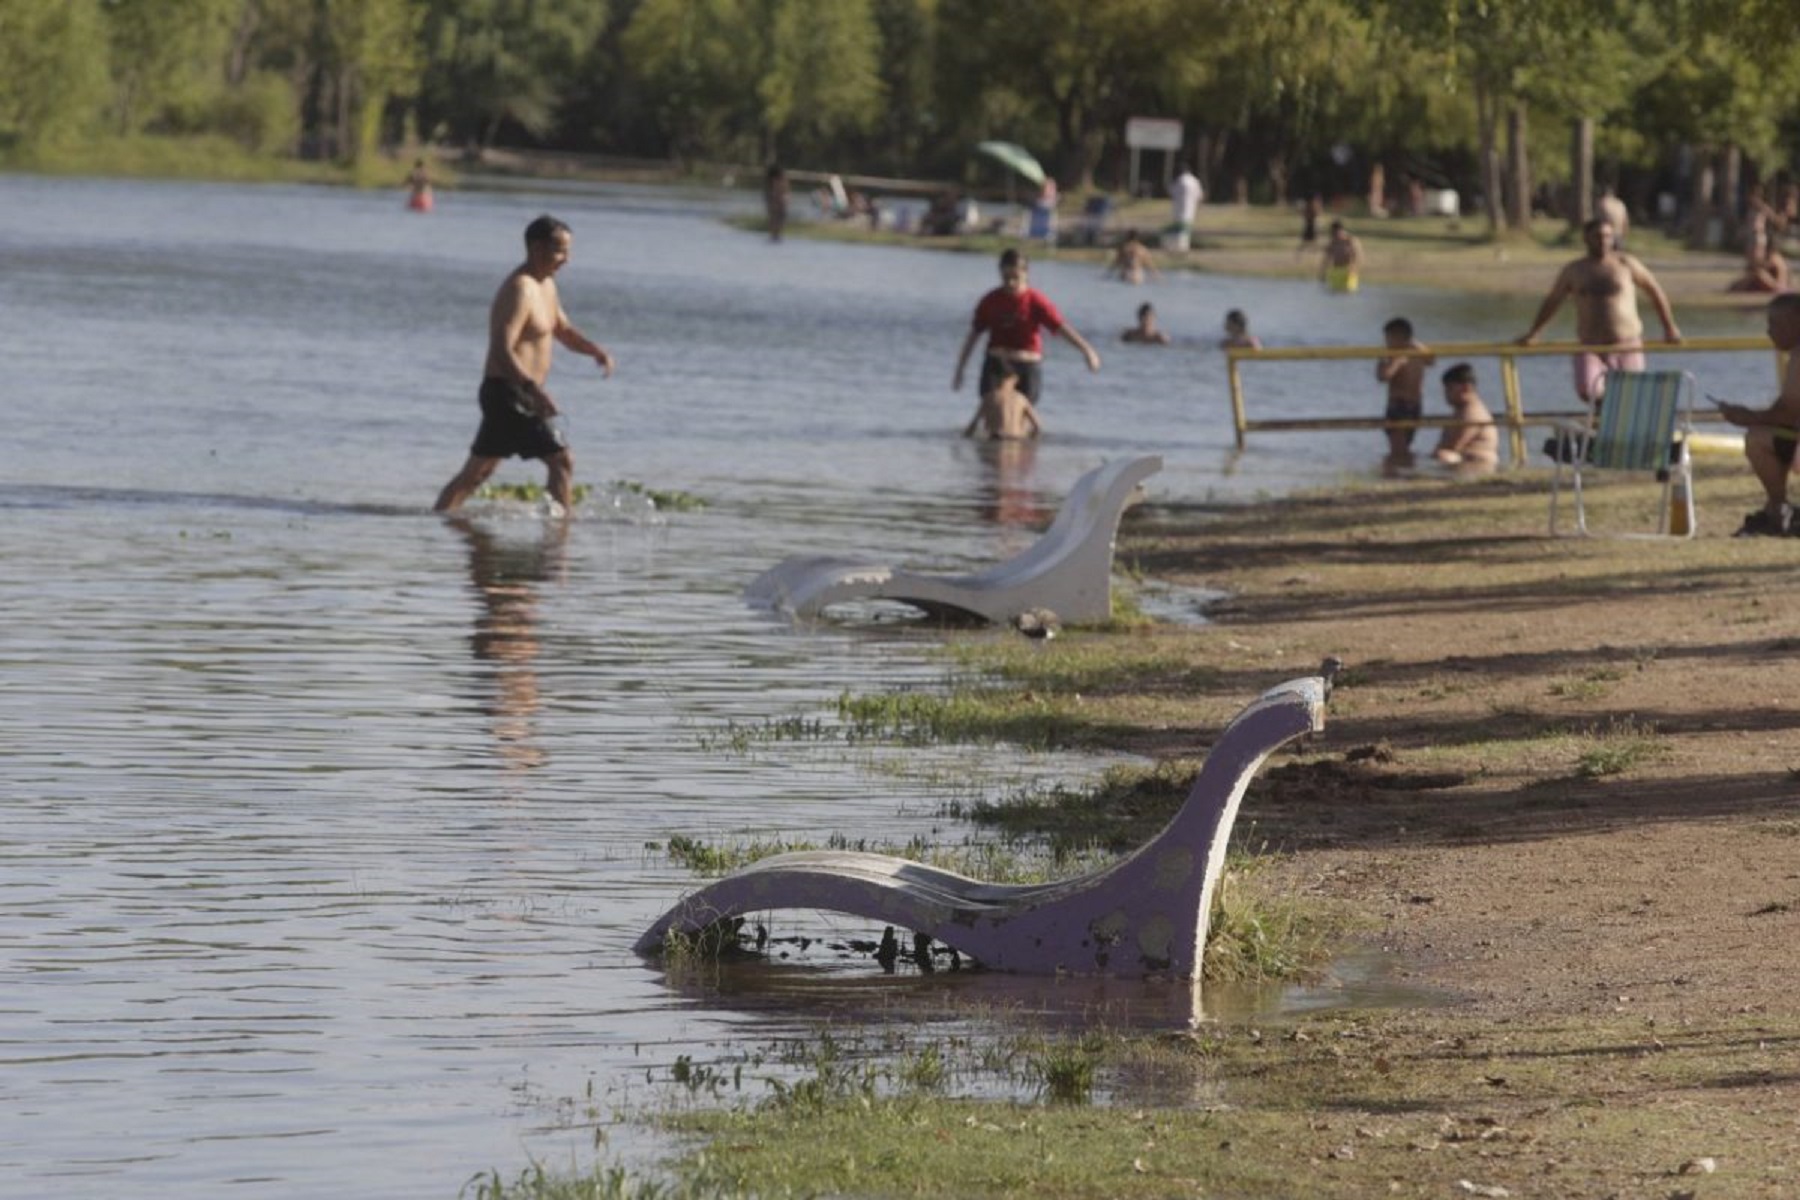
pixel 1516 419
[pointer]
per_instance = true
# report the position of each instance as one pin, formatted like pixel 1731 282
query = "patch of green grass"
pixel 596 1183
pixel 705 858
pixel 1618 748
pixel 527 493
pixel 965 715
pixel 1259 933
pixel 1123 809
pixel 195 156
pixel 1066 1069
pixel 665 499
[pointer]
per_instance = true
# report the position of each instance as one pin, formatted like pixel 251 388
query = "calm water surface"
pixel 328 823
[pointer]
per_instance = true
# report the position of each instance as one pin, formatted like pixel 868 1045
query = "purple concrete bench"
pixel 1067 571
pixel 1144 915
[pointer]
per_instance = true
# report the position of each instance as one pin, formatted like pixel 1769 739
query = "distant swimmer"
pixel 1340 267
pixel 1604 284
pixel 418 184
pixel 1145 332
pixel 1011 315
pixel 1131 260
pixel 1237 333
pixel 516 412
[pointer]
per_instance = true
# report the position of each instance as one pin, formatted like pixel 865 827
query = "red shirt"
pixel 1012 319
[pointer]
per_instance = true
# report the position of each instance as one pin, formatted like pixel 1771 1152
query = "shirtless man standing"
pixel 1771 434
pixel 516 411
pixel 1605 284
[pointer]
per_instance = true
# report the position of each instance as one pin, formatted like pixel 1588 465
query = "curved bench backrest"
pixel 1088 518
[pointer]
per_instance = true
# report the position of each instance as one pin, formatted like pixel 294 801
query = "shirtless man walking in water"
pixel 1604 284
pixel 516 411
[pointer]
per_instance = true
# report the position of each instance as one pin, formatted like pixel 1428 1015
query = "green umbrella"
pixel 1016 157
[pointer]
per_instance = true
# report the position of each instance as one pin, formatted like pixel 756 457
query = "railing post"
pixel 1237 397
pixel 1515 407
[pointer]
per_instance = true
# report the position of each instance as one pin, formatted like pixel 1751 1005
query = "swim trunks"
pixel 1341 279
pixel 510 427
pixel 1031 376
pixel 1786 441
pixel 1399 409
pixel 1590 369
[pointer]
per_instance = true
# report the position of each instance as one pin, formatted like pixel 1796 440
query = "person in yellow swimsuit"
pixel 1342 261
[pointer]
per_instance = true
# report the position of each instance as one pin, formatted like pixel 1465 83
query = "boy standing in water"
pixel 1237 333
pixel 1005 410
pixel 1405 377
pixel 1145 332
pixel 1011 315
pixel 516 411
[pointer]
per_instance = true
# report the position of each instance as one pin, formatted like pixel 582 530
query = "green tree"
pixel 52 69
pixel 166 58
pixel 374 48
pixel 490 62
pixel 762 71
pixel 1075 68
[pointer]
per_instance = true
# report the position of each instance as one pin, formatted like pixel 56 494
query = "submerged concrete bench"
pixel 1145 915
pixel 1067 571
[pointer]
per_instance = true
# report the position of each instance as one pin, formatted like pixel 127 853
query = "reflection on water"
pixel 505 572
pixel 1008 495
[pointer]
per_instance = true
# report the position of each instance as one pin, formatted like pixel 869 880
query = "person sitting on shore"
pixel 1473 442
pixel 1237 333
pixel 1404 375
pixel 1131 260
pixel 1006 411
pixel 1145 332
pixel 1766 274
pixel 1771 434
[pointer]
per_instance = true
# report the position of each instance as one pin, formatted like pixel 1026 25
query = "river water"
pixel 329 824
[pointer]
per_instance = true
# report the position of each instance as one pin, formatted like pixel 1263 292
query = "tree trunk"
pixel 1581 173
pixel 1490 158
pixel 1700 209
pixel 1518 200
pixel 1729 188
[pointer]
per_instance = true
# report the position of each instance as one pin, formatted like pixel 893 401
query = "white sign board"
pixel 1153 133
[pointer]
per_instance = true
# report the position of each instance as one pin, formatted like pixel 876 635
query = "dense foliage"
pixel 1277 96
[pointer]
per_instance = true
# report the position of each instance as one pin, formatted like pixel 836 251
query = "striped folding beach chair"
pixel 1642 424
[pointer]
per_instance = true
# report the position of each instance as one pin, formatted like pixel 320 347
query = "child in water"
pixel 1474 443
pixel 1007 412
pixel 1237 333
pixel 1145 331
pixel 1405 379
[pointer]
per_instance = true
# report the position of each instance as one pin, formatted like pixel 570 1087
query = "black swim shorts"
pixel 1785 444
pixel 1031 376
pixel 510 427
pixel 1403 410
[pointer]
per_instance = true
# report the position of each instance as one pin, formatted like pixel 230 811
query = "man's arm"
pixel 1783 413
pixel 577 341
pixel 1547 309
pixel 1067 333
pixel 1641 275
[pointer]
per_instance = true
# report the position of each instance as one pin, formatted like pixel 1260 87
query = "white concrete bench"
pixel 1144 915
pixel 1068 570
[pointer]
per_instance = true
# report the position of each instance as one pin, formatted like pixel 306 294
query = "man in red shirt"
pixel 1011 315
